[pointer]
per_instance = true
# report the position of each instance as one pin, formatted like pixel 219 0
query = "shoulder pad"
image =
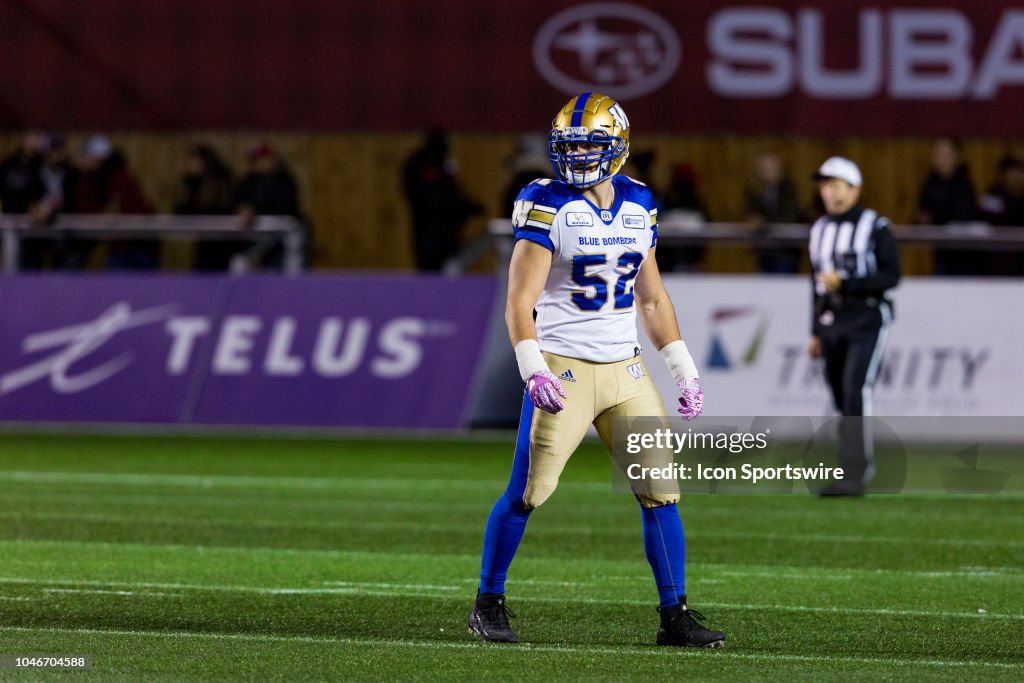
pixel 548 193
pixel 634 191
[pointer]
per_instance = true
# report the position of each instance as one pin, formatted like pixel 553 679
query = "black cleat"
pixel 489 619
pixel 681 626
pixel 842 488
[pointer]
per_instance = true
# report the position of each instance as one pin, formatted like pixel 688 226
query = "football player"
pixel 584 261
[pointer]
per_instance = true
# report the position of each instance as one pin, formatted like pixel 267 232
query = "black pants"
pixel 852 348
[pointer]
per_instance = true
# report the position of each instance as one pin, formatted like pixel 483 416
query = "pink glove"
pixel 544 390
pixel 692 400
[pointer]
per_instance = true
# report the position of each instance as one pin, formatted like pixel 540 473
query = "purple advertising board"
pixel 324 350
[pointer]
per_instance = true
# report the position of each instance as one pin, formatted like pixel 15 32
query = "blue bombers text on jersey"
pixel 586 310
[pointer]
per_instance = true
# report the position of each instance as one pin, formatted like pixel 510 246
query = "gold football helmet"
pixel 588 119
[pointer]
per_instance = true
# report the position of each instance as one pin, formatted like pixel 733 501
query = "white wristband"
pixel 530 359
pixel 680 362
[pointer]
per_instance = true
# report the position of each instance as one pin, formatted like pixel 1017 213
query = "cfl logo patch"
pixel 636 370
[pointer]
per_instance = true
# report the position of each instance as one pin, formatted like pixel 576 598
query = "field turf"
pixel 227 558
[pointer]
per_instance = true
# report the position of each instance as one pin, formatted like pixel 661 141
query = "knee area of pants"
pixel 535 496
pixel 649 501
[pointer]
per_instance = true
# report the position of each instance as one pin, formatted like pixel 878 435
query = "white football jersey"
pixel 586 310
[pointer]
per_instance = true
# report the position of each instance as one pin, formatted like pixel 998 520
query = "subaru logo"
pixel 617 48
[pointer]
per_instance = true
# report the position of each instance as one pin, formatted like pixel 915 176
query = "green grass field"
pixel 188 558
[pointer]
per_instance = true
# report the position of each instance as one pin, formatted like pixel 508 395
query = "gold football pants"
pixel 597 393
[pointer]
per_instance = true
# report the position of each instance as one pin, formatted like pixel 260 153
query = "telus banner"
pixel 374 351
pixel 953 349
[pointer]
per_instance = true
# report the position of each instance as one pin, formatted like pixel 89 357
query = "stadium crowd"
pixel 44 178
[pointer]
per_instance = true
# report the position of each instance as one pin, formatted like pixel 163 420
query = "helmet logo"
pixel 620 116
pixel 615 47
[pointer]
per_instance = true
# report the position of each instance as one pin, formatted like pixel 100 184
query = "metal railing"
pixel 681 232
pixel 264 233
pixel 973 236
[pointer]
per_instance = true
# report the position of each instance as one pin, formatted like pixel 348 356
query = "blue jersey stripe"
pixel 577 112
pixel 541 237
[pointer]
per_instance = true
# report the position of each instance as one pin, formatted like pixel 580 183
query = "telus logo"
pixel 390 350
pixel 340 347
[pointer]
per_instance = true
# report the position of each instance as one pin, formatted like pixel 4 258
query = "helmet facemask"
pixel 580 168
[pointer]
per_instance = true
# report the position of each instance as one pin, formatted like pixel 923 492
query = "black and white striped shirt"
pixel 860 247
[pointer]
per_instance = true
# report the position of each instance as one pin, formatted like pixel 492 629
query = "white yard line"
pixel 856 538
pixel 193 516
pixel 144 594
pixel 424 590
pixel 272 482
pixel 409 586
pixel 564 584
pixel 466 526
pixel 767 573
pixel 525 648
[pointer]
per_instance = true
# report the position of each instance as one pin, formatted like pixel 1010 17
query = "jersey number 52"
pixel 597 296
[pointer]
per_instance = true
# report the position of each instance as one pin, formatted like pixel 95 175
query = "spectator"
pixel 772 198
pixel 1004 202
pixel 682 194
pixel 21 187
pixel 102 183
pixel 126 198
pixel 529 162
pixel 1004 205
pixel 683 206
pixel 947 196
pixel 268 189
pixel 21 190
pixel 206 188
pixel 58 177
pixel 438 205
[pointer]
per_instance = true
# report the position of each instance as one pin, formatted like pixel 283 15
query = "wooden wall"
pixel 351 187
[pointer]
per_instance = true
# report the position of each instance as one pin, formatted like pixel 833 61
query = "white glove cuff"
pixel 680 362
pixel 530 359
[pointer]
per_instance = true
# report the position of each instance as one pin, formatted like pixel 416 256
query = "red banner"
pixel 812 67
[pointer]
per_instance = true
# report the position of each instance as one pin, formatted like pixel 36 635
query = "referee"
pixel 855 261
